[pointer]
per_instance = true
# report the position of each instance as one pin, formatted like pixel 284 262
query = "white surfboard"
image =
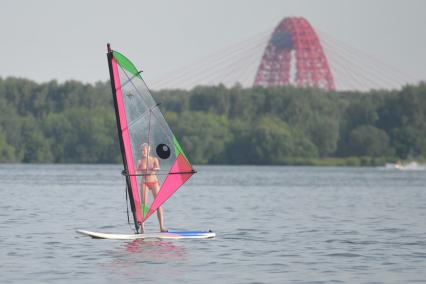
pixel 166 235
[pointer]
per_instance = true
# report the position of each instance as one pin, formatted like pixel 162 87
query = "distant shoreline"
pixel 320 162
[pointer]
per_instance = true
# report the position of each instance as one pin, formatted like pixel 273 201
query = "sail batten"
pixel 169 173
pixel 140 122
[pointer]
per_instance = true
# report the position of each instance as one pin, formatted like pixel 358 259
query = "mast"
pixel 120 138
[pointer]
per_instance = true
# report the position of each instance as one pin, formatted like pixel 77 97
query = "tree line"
pixel 72 122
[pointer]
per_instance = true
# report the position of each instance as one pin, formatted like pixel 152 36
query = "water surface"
pixel 273 225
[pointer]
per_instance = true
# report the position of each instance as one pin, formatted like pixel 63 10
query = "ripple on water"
pixel 299 225
pixel 344 254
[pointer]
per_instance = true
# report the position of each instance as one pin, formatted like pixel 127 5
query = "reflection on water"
pixel 155 249
pixel 273 225
pixel 135 259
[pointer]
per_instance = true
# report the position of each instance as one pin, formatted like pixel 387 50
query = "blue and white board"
pixel 166 235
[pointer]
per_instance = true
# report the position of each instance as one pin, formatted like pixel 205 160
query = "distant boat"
pixel 413 165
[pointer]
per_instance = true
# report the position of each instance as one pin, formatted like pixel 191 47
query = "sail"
pixel 140 122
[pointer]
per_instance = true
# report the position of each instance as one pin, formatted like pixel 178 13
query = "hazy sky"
pixel 53 39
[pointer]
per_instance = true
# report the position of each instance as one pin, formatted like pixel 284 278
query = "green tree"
pixel 367 140
pixel 324 133
pixel 203 136
pixel 210 99
pixel 35 146
pixel 7 152
pixel 273 142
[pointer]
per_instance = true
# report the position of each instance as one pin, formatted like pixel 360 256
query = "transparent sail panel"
pixel 156 152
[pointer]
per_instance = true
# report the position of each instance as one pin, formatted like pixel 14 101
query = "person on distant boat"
pixel 398 165
pixel 149 166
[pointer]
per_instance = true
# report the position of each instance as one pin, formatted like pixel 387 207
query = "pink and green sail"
pixel 140 121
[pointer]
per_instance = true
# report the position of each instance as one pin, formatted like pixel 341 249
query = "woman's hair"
pixel 144 145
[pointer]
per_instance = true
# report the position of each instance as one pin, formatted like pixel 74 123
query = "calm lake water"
pixel 273 225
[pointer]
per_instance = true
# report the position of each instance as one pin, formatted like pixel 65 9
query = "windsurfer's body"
pixel 149 166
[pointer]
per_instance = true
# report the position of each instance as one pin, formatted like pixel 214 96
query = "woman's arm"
pixel 156 167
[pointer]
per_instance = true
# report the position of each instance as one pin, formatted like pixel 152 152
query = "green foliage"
pixel 73 122
pixel 7 153
pixel 35 145
pixel 210 99
pixel 273 142
pixel 203 136
pixel 405 121
pixel 61 123
pixel 323 131
pixel 367 140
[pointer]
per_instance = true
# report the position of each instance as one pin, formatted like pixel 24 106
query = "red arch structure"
pixel 294 56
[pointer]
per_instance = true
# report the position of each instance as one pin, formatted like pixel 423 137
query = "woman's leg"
pixel 144 203
pixel 159 210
